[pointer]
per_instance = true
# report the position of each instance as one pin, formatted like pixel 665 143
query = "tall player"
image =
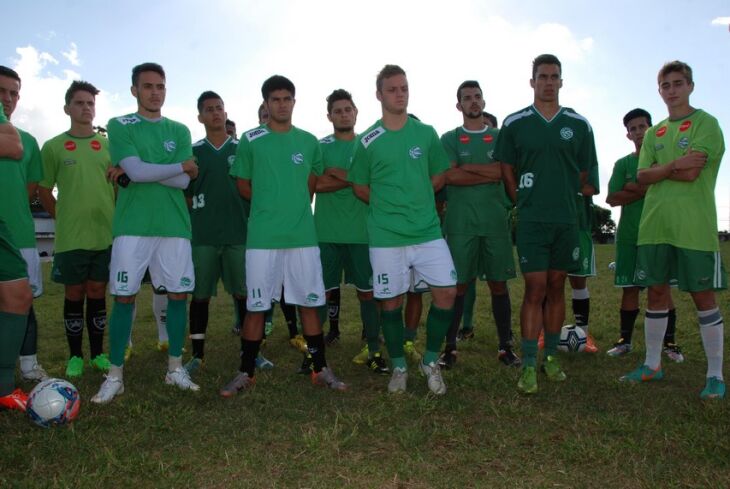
pixel 276 167
pixel 76 162
pixel 398 164
pixel 546 151
pixel 151 223
pixel 679 161
pixel 477 223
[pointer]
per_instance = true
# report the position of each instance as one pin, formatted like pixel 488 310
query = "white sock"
pixel 655 325
pixel 173 363
pixel 579 294
pixel 117 372
pixel 159 308
pixel 711 329
pixel 27 362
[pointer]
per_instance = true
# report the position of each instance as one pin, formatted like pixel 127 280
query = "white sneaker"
pixel 181 378
pixel 326 377
pixel 433 375
pixel 36 373
pixel 398 381
pixel 111 387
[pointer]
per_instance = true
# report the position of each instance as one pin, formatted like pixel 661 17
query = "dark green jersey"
pixel 548 157
pixel 219 214
pixel 624 171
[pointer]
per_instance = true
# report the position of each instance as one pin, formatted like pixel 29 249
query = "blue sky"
pixel 611 52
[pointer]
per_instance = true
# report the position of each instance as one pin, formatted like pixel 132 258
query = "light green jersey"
pixel 150 209
pixel 14 179
pixel 624 171
pixel 339 216
pixel 682 214
pixel 279 165
pixel 85 200
pixel 548 157
pixel 398 166
pixel 219 214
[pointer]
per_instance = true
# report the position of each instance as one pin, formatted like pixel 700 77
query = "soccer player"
pixel 15 293
pixel 276 167
pixel 151 223
pixel 231 129
pixel 679 161
pixel 490 120
pixel 398 164
pixel 76 162
pixel 477 223
pixel 340 218
pixel 624 190
pixel 546 151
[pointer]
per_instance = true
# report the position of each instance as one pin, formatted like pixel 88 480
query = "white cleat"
pixel 435 380
pixel 398 381
pixel 36 373
pixel 181 378
pixel 111 387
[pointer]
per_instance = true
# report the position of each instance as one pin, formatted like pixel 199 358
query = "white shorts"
pixel 169 260
pixel 35 274
pixel 414 267
pixel 298 270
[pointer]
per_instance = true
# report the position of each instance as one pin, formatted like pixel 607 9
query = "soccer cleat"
pixel 541 340
pixel 398 381
pixel 111 387
pixel 332 337
pixel 377 365
pixel 447 360
pixel 180 378
pixel 714 389
pixel 36 373
pixel 326 378
pixel 15 400
pixel 239 383
pixel 262 363
pixel 101 362
pixel 362 357
pixel 413 355
pixel 643 374
pixel 299 343
pixel 127 353
pixel 509 358
pixel 75 367
pixel 620 348
pixel 528 381
pixel 674 352
pixel 591 346
pixel 307 365
pixel 236 329
pixel 193 365
pixel 436 384
pixel 552 369
pixel 465 334
pixel 163 346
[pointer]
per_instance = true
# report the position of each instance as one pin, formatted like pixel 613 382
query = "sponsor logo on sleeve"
pixel 685 125
pixel 566 133
pixel 372 136
pixel 415 152
pixel 169 146
pixel 297 158
pixel 128 119
pixel 231 160
pixel 661 131
pixel 69 146
pixel 327 140
pixel 256 133
pixel 95 145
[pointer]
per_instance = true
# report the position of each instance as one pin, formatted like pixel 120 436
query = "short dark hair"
pixel 492 118
pixel 546 59
pixel 466 84
pixel 229 122
pixel 336 95
pixel 146 67
pixel 634 113
pixel 678 67
pixel 80 86
pixel 10 73
pixel 387 72
pixel 277 82
pixel 207 95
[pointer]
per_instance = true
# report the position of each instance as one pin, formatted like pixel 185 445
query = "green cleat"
pixel 101 362
pixel 714 389
pixel 643 374
pixel 552 369
pixel 362 357
pixel 75 367
pixel 528 381
pixel 193 365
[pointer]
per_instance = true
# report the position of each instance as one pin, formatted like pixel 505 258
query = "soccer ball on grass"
pixel 53 402
pixel 572 339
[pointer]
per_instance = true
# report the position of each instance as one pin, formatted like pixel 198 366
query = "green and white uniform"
pixel 584 206
pixel 624 171
pixel 12 265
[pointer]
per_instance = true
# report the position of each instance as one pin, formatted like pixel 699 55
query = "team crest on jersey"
pixel 169 146
pixel 683 142
pixel 464 139
pixel 231 160
pixel 566 133
pixel 661 131
pixel 685 125
pixel 297 158
pixel 415 152
pixel 372 136
pixel 128 119
pixel 327 140
pixel 256 133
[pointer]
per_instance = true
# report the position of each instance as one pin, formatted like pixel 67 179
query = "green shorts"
pixel 625 265
pixel 353 259
pixel 695 271
pixel 587 256
pixel 12 264
pixel 225 262
pixel 75 267
pixel 479 256
pixel 547 246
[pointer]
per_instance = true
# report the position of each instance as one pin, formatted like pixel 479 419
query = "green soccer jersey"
pixel 279 164
pixel 339 216
pixel 219 214
pixel 398 166
pixel 548 157
pixel 682 214
pixel 151 208
pixel 476 210
pixel 85 200
pixel 584 204
pixel 14 179
pixel 624 171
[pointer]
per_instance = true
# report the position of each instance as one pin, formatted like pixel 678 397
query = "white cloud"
pixel 721 21
pixel 72 55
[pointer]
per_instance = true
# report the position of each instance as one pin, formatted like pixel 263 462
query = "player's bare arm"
pixel 510 183
pixel 48 201
pixel 332 179
pixel 244 188
pixel 493 172
pixel 687 168
pixel 460 177
pixel 438 181
pixel 362 192
pixel 10 145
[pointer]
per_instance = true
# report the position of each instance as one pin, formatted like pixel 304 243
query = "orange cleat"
pixel 15 400
pixel 590 345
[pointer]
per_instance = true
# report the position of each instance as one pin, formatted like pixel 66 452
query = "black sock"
pixel 96 324
pixel 455 322
pixel 249 352
pixel 73 320
pixel 315 345
pixel 333 311
pixel 30 342
pixel 290 316
pixel 581 311
pixel 671 327
pixel 198 326
pixel 502 312
pixel 241 310
pixel 628 318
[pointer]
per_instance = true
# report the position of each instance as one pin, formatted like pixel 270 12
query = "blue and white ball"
pixel 572 339
pixel 53 402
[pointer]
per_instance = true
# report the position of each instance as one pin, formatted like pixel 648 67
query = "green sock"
pixel 467 320
pixel 12 332
pixel 551 343
pixel 529 352
pixel 393 331
pixel 176 324
pixel 437 324
pixel 120 326
pixel 410 334
pixel 369 316
pixel 399 362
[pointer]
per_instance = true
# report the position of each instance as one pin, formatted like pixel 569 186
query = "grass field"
pixel 589 431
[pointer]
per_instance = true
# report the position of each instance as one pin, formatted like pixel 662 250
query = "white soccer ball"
pixel 612 266
pixel 572 339
pixel 53 402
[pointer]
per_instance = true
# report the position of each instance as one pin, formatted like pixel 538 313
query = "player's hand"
pixel 113 173
pixel 693 159
pixel 191 168
pixel 338 173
